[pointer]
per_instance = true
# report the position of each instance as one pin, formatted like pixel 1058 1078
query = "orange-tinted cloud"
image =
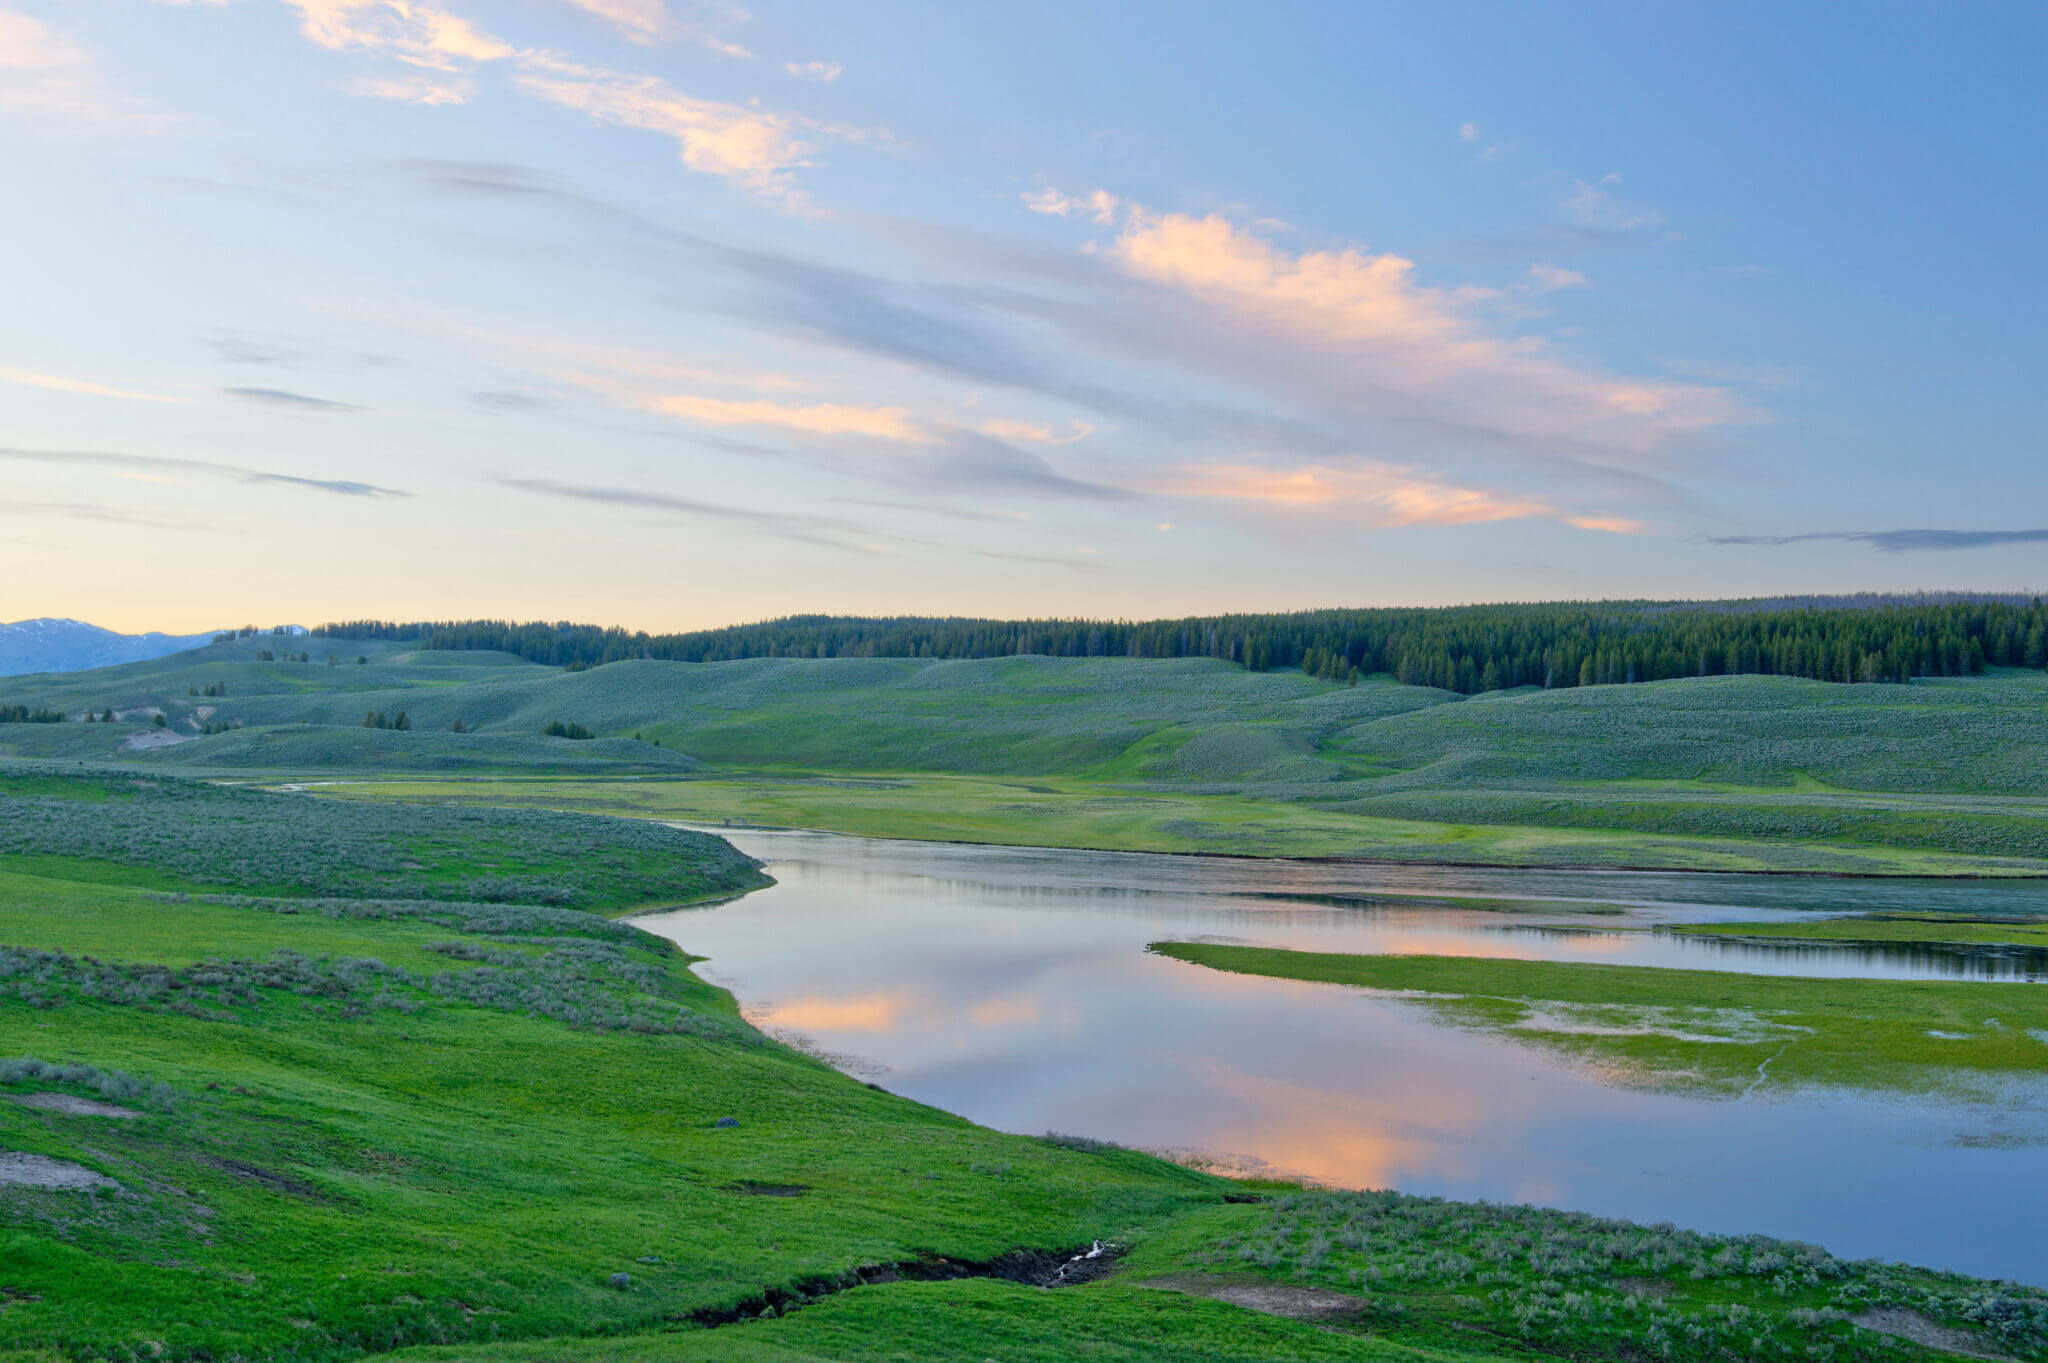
pixel 1360 330
pixel 47 76
pixel 63 383
pixel 1380 494
pixel 642 21
pixel 1037 432
pixel 416 34
pixel 821 418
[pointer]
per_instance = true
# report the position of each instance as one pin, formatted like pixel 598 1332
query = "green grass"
pixel 360 1159
pixel 912 1322
pixel 1717 773
pixel 366 1125
pixel 1701 1030
pixel 1064 812
pixel 1910 929
pixel 179 834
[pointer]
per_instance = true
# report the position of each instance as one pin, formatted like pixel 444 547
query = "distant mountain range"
pixel 73 646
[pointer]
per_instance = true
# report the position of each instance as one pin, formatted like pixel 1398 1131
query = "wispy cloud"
pixel 882 423
pixel 166 467
pixel 1037 432
pixel 824 531
pixel 646 22
pixel 973 460
pixel 822 72
pixel 49 77
pixel 1359 329
pixel 419 35
pixel 91 511
pixel 1550 278
pixel 751 147
pixel 642 21
pixel 627 375
pixel 1098 205
pixel 284 397
pixel 65 383
pixel 1597 203
pixel 508 400
pixel 418 87
pixel 436 50
pixel 1607 525
pixel 1899 541
pixel 1375 494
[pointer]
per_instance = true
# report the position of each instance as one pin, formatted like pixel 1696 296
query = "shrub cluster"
pixel 584 983
pixel 245 839
pixel 116 1086
pixel 1655 1290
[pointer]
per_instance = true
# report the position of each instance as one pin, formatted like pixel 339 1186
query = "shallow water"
pixel 1012 986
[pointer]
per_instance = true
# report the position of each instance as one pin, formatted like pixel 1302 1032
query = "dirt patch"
pixel 1644 1289
pixel 40 1171
pixel 76 1107
pixel 269 1178
pixel 1256 1294
pixel 753 1189
pixel 1900 1323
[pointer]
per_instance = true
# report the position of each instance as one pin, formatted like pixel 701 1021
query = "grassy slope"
pixel 1715 1030
pixel 106 826
pixel 1714 773
pixel 332 1158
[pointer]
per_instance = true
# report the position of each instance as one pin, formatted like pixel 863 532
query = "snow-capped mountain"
pixel 73 646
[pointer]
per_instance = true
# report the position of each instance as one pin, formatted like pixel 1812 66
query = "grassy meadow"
pixel 259 1116
pixel 1707 1031
pixel 1751 773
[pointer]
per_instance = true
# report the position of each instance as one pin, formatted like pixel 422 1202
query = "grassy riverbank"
pixel 258 1121
pixel 1061 812
pixel 1702 1030
pixel 1906 929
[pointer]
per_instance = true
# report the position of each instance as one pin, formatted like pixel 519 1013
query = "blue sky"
pixel 671 315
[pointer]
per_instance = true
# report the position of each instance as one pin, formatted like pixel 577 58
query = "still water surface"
pixel 1012 986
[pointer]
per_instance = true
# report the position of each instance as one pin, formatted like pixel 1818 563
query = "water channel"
pixel 1012 986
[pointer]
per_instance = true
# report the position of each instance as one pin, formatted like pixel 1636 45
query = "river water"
pixel 1012 986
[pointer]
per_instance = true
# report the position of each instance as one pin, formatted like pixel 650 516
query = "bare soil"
pixel 40 1171
pixel 1274 1299
pixel 76 1107
pixel 1900 1323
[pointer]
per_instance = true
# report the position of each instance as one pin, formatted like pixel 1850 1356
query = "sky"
pixel 672 314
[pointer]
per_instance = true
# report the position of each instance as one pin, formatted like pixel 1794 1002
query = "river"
pixel 1012 986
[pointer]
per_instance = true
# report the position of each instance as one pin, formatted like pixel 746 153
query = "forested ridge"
pixel 1459 648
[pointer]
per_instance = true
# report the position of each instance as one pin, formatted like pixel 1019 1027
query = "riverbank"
pixel 1058 813
pixel 1702 1030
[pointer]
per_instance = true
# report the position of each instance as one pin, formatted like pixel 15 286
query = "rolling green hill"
pixel 250 1116
pixel 1733 772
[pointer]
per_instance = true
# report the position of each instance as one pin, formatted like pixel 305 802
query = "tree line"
pixel 1458 648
